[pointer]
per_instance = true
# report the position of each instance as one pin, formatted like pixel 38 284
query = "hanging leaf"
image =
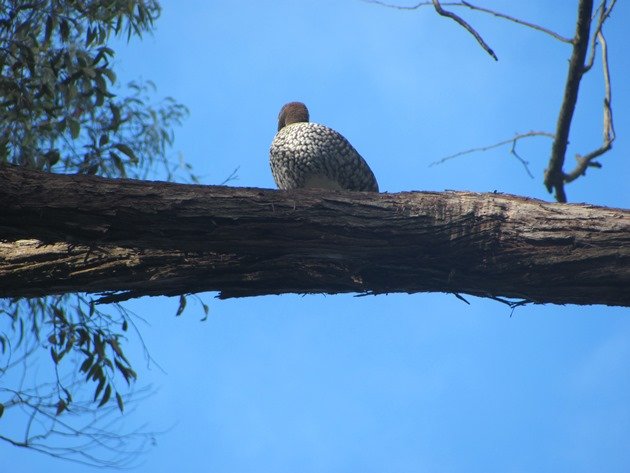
pixel 59 313
pixel 206 311
pixel 75 127
pixel 99 388
pixel 61 406
pixel 90 35
pixel 119 400
pixel 127 150
pixel 49 28
pixel 64 30
pixel 127 373
pixel 54 355
pixel 182 305
pixel 110 75
pixel 118 162
pixel 52 157
pixel 115 117
pixel 106 395
pixel 87 363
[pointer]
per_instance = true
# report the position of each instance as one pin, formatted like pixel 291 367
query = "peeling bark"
pixel 128 238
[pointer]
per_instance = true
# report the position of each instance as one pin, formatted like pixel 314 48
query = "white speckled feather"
pixel 307 154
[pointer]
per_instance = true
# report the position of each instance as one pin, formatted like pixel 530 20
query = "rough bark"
pixel 70 233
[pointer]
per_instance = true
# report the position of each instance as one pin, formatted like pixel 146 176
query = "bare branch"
pixel 609 131
pixel 409 7
pixel 440 10
pixel 524 162
pixel 518 21
pixel 604 13
pixel 469 5
pixel 89 437
pixel 554 176
pixel 232 177
pixel 462 22
pixel 514 140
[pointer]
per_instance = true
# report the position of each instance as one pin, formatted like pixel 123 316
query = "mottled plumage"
pixel 307 154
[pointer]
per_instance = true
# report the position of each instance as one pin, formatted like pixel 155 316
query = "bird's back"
pixel 308 154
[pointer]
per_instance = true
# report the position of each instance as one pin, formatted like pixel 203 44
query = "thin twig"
pixel 232 177
pixel 469 5
pixel 511 304
pixel 408 7
pixel 554 176
pixel 524 162
pixel 462 22
pixel 461 298
pixel 518 21
pixel 604 13
pixel 513 141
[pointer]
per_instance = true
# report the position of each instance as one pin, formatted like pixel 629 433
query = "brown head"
pixel 293 112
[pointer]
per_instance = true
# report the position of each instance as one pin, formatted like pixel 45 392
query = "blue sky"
pixel 397 383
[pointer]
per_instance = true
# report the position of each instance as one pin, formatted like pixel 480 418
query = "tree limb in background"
pixel 517 20
pixel 514 140
pixel 81 433
pixel 604 13
pixel 479 9
pixel 555 178
pixel 442 12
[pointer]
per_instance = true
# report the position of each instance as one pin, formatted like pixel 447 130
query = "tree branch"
pixel 513 141
pixel 518 21
pixel 470 6
pixel 71 233
pixel 588 160
pixel 604 13
pixel 466 26
pixel 554 175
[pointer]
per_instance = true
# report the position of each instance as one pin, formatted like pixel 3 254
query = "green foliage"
pixel 62 111
pixel 58 110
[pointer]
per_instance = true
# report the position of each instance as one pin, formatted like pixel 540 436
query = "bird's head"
pixel 293 112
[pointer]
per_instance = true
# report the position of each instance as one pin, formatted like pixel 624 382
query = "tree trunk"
pixel 129 238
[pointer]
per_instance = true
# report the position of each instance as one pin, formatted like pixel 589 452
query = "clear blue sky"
pixel 398 383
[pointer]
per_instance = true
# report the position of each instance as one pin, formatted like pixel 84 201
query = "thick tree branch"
pixel 87 234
